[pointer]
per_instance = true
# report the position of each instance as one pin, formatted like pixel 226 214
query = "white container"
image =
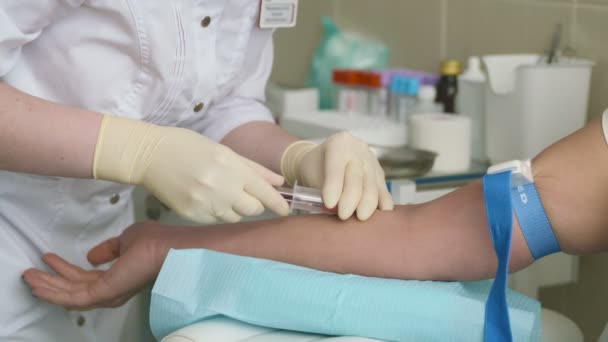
pixel 471 101
pixel 448 135
pixel 285 101
pixel 529 106
pixel 376 131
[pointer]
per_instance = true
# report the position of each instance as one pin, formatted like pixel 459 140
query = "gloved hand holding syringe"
pixel 303 199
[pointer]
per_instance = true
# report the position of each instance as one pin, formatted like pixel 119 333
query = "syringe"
pixel 305 199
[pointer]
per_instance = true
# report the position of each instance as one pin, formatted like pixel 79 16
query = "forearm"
pixel 45 138
pixel 446 239
pixel 262 142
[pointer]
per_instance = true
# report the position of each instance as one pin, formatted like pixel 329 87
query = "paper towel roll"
pixel 448 135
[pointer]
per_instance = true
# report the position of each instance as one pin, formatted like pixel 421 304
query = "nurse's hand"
pixel 345 169
pixel 198 178
pixel 139 254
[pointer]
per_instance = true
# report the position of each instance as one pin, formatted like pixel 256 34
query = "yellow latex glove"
pixel 198 178
pixel 346 170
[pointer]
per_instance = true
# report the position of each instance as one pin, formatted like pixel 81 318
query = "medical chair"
pixel 556 328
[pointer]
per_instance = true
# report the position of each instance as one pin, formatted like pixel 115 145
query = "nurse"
pixel 97 96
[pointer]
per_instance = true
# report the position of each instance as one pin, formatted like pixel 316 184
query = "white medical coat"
pixel 200 64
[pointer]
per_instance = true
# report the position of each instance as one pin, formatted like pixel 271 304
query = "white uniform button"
pixel 199 106
pixel 80 320
pixel 114 199
pixel 206 22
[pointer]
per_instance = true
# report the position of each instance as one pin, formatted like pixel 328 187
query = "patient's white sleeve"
pixel 605 124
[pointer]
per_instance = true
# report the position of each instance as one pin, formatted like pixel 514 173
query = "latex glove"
pixel 139 253
pixel 198 178
pixel 346 170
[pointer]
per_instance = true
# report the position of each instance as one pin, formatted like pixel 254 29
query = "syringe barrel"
pixel 305 199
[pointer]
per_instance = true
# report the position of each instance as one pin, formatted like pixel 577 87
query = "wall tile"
pixel 592 2
pixel 540 22
pixel 410 27
pixel 591 33
pixel 566 2
pixel 499 27
pixel 493 27
pixel 463 17
pixel 294 47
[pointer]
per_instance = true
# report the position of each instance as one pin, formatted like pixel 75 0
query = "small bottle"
pixel 447 88
pixel 426 101
pixel 471 102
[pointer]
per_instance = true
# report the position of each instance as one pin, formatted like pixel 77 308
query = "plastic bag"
pixel 342 50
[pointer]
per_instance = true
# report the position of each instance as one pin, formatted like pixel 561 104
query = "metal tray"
pixel 404 162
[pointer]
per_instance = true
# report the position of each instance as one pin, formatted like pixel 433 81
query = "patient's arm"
pixel 572 179
pixel 446 239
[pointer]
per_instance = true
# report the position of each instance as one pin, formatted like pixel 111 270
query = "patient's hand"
pixel 139 253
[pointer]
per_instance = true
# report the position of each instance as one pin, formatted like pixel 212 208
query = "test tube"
pixel 346 83
pixel 378 94
pixel 403 97
pixel 304 199
pixel 398 100
pixel 361 92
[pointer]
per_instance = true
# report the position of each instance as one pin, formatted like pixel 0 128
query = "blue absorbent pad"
pixel 198 284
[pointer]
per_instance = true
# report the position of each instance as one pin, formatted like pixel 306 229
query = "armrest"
pixel 221 329
pixel 216 330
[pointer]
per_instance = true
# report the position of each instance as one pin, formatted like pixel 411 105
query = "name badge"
pixel 278 13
